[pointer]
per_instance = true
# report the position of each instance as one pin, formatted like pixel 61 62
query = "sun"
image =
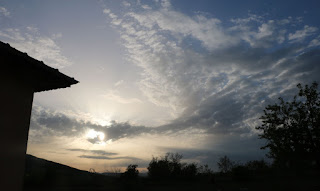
pixel 93 134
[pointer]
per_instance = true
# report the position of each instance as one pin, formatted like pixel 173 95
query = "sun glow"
pixel 92 134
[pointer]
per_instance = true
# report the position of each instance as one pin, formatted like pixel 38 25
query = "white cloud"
pixel 57 36
pixel 166 4
pixel 266 29
pixel 267 34
pixel 39 47
pixel 106 11
pixel 126 3
pixel 119 83
pixel 4 12
pixel 147 7
pixel 206 73
pixel 315 42
pixel 32 29
pixel 300 35
pixel 206 30
pixel 245 21
pixel 113 95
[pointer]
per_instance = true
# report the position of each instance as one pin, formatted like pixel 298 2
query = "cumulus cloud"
pixel 40 47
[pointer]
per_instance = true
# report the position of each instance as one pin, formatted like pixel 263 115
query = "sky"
pixel 161 76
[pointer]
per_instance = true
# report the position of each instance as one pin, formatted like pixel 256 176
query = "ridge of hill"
pixel 41 173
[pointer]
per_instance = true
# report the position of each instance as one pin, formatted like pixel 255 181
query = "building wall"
pixel 15 109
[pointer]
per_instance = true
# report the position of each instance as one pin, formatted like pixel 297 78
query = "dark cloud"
pixel 236 148
pixel 108 158
pixel 120 130
pixel 98 152
pixel 45 123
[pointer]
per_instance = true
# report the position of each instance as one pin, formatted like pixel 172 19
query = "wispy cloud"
pixel 98 152
pixel 215 90
pixel 107 158
pixel 215 75
pixel 40 47
pixel 300 35
pixel 114 96
pixel 102 155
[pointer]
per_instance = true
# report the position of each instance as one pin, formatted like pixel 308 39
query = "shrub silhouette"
pixel 258 166
pixel 250 170
pixel 189 171
pixel 170 166
pixel 131 172
pixel 159 168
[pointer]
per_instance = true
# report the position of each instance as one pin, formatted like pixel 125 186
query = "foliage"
pixel 189 170
pixel 170 166
pixel 225 164
pixel 250 170
pixel 257 165
pixel 204 170
pixel 163 167
pixel 131 172
pixel 292 129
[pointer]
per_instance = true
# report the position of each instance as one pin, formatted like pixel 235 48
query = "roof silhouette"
pixel 32 71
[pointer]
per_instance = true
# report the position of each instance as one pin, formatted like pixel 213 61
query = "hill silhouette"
pixel 41 174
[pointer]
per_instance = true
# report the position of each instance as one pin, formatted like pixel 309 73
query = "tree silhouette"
pixel 292 129
pixel 132 172
pixel 167 166
pixel 170 166
pixel 225 164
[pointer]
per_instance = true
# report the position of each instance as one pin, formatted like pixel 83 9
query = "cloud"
pixel 315 42
pixel 102 155
pixel 113 96
pixel 209 89
pixel 4 12
pixel 107 158
pixel 218 91
pixel 146 7
pixel 46 123
pixel 40 47
pixel 216 76
pixel 119 83
pixel 98 152
pixel 126 3
pixel 300 35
